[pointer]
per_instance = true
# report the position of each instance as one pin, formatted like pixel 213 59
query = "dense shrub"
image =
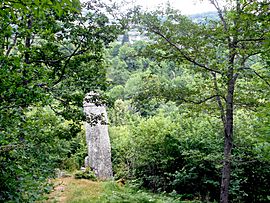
pixel 46 143
pixel 183 155
pixel 86 174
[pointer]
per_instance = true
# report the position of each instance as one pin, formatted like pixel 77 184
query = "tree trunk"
pixel 228 143
pixel 28 40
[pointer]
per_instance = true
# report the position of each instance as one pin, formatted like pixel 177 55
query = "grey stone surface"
pixel 97 137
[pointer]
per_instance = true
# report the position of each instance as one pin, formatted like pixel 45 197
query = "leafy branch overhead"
pixel 44 48
pixel 51 55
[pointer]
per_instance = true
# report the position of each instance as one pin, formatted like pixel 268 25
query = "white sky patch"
pixel 186 7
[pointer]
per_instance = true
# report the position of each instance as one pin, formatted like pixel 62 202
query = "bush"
pixel 87 174
pixel 163 154
pixel 25 169
pixel 183 155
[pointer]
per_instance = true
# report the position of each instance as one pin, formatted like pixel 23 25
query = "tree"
pixel 221 52
pixel 51 54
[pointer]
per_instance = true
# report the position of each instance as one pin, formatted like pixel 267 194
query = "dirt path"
pixel 68 190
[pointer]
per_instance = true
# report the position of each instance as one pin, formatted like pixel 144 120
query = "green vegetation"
pixel 87 174
pixel 183 154
pixel 82 191
pixel 50 56
pixel 114 193
pixel 188 104
pixel 75 190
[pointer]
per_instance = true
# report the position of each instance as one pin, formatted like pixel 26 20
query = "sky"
pixel 186 7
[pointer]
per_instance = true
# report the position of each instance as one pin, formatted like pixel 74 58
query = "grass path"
pixel 70 190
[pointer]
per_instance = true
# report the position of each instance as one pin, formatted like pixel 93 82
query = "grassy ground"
pixel 70 190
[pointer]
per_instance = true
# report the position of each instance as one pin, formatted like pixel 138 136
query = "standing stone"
pixel 97 137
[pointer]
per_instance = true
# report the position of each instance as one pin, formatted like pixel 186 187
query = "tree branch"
pixel 66 63
pixel 251 40
pixel 220 105
pixel 216 5
pixel 188 58
pixel 248 68
pixel 49 62
pixel 261 77
pixel 202 101
pixel 11 46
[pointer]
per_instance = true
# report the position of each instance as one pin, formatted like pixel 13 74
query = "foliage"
pixel 166 96
pixel 26 166
pixel 182 155
pixel 51 54
pixel 77 152
pixel 115 193
pixel 180 149
pixel 163 156
pixel 86 174
pixel 124 60
pixel 222 52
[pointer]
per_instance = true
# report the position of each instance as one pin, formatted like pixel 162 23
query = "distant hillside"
pixel 204 17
